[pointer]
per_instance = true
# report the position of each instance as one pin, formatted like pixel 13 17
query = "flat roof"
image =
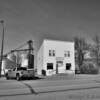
pixel 58 40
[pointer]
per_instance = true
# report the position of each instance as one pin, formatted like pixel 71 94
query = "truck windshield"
pixel 21 68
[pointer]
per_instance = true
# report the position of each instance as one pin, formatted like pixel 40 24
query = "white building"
pixel 7 64
pixel 55 57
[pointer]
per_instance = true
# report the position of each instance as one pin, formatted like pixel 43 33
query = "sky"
pixel 48 19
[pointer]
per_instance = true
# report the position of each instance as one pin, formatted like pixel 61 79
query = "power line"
pixel 16 48
pixel 20 46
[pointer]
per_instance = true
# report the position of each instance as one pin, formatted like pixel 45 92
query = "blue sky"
pixel 51 19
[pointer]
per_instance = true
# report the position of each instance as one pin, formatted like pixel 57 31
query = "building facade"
pixel 56 57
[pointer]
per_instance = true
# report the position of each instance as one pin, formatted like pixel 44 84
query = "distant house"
pixel 56 57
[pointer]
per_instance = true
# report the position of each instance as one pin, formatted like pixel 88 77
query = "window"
pixel 49 66
pixel 14 69
pixel 51 52
pixel 67 53
pixel 21 68
pixel 68 66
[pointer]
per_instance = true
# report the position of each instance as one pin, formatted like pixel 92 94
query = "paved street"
pixel 80 88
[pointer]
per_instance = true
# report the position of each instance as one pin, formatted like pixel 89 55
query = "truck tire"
pixel 7 77
pixel 17 77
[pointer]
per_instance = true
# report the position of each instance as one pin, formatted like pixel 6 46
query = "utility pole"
pixel 2 45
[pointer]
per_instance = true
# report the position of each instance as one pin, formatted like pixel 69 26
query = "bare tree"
pixel 80 47
pixel 96 48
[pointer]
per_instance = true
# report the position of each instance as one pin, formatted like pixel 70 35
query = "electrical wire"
pixel 20 46
pixel 17 48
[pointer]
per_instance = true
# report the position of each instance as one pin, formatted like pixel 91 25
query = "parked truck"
pixel 19 72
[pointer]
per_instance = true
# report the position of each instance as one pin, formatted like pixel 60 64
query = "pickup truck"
pixel 19 72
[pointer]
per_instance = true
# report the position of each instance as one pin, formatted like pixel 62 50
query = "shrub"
pixel 89 68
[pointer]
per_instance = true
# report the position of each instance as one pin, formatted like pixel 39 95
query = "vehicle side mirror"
pixel 14 69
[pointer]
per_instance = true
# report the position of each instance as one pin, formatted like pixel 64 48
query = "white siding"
pixel 40 60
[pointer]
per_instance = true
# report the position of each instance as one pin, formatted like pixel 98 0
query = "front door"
pixel 59 65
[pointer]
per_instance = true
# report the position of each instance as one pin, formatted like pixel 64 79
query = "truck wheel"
pixel 7 77
pixel 18 77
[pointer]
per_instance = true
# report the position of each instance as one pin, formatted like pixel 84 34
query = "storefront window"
pixel 49 66
pixel 68 66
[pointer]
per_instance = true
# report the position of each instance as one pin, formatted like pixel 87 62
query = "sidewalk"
pixel 75 77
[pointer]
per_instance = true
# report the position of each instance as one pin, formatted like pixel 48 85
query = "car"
pixel 19 72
